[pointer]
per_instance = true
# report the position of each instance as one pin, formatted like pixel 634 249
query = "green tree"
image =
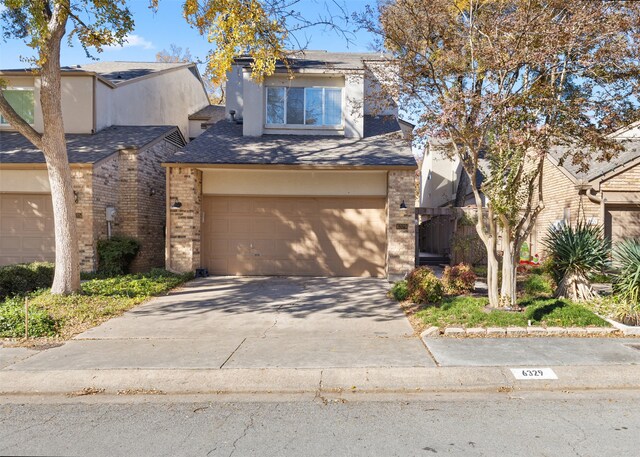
pixel 501 82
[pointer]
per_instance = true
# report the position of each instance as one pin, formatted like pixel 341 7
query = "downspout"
pixel 584 188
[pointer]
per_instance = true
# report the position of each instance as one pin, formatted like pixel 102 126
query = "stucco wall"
pixel 165 99
pixel 104 105
pixel 379 75
pixel 77 101
pixel 438 177
pixel 294 182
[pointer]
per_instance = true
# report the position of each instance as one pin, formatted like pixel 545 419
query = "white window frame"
pixel 304 108
pixel 22 88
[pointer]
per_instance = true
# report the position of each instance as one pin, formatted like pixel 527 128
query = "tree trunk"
pixel 575 287
pixel 510 260
pixel 67 266
pixel 493 266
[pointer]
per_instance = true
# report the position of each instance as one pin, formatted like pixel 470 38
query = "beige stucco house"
pixel 306 175
pixel 122 120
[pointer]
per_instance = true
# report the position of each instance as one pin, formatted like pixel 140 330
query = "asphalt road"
pixel 500 424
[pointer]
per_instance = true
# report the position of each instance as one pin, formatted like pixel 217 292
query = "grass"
pixel 101 299
pixel 464 311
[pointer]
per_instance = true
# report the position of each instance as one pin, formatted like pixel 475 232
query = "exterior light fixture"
pixel 176 204
pixel 403 205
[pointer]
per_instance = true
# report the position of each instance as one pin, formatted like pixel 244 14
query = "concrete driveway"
pixel 250 322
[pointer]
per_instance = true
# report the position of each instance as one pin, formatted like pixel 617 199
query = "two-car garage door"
pixel 26 228
pixel 302 236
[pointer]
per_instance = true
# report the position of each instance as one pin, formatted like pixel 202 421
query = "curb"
pixel 519 332
pixel 317 381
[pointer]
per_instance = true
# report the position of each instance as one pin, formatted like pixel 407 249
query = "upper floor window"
pixel 320 106
pixel 21 99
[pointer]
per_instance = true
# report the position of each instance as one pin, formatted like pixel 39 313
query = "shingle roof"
pixel 15 148
pixel 597 168
pixel 118 72
pixel 324 59
pixel 223 143
pixel 114 72
pixel 210 112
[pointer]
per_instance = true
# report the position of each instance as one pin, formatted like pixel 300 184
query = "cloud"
pixel 132 41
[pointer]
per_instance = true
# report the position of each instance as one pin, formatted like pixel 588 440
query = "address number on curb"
pixel 533 373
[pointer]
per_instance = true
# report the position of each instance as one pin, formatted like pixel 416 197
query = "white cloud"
pixel 132 41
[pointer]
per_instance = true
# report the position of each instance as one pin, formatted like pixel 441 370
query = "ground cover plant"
pixel 52 315
pixel 465 311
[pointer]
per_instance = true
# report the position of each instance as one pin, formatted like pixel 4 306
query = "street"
pixel 490 424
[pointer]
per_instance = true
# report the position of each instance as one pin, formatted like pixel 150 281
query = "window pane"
pixel 275 105
pixel 295 105
pixel 22 102
pixel 332 106
pixel 313 106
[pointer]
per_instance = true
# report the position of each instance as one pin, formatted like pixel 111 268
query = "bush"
pixel 12 320
pixel 626 255
pixel 116 254
pixel 23 278
pixel 424 286
pixel 576 253
pixel 140 285
pixel 459 279
pixel 538 284
pixel 399 290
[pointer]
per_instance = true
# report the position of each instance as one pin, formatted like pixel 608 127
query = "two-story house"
pixel 122 119
pixel 308 174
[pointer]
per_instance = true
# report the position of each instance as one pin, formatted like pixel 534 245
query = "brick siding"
pixel 400 223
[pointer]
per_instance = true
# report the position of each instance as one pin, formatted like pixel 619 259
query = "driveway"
pixel 250 322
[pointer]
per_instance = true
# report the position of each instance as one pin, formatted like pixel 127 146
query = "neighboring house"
pixel 205 118
pixel 122 119
pixel 308 175
pixel 607 194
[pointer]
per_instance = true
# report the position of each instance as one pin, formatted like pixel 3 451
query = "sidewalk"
pixel 463 366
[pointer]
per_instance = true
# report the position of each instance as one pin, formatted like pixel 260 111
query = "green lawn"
pixel 101 299
pixel 464 311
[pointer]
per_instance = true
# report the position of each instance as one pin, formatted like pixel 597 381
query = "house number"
pixel 402 226
pixel 533 373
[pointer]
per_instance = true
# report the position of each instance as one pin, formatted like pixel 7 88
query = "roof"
pixel 114 72
pixel 596 169
pixel 223 144
pixel 312 59
pixel 209 113
pixel 83 148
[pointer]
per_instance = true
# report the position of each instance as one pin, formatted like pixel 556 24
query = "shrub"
pixel 538 284
pixel 459 279
pixel 399 290
pixel 21 279
pixel 12 320
pixel 140 285
pixel 576 253
pixel 424 286
pixel 626 255
pixel 116 254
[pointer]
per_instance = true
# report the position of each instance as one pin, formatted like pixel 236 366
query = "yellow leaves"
pixel 236 27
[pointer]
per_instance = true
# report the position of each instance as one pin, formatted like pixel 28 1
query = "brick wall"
pixel 183 244
pixel 629 180
pixel 559 193
pixel 82 186
pixel 400 223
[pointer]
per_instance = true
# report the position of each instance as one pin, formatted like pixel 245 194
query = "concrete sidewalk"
pixel 315 335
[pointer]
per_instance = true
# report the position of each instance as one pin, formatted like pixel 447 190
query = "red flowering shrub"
pixel 424 286
pixel 459 279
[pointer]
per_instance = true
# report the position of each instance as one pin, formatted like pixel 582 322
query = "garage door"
pixel 26 228
pixel 297 236
pixel 622 222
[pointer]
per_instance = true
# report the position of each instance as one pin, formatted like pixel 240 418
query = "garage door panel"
pixel 294 236
pixel 26 228
pixel 622 222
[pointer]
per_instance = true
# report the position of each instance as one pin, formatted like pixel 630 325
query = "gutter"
pixel 585 188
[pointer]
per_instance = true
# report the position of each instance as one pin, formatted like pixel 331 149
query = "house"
pixel 308 174
pixel 121 119
pixel 607 194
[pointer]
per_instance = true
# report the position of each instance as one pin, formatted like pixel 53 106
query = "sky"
pixel 157 31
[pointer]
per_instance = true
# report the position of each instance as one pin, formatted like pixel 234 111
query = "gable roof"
pixel 112 73
pixel 563 157
pixel 317 59
pixel 84 148
pixel 224 144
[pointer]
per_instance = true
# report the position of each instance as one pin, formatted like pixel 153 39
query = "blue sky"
pixel 157 31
